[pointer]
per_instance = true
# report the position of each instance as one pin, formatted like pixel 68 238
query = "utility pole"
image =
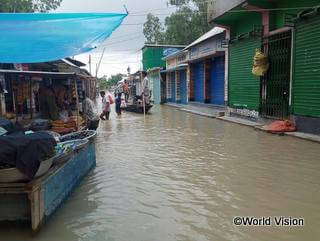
pixel 98 66
pixel 90 70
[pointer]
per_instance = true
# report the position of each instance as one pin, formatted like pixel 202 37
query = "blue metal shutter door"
pixel 199 82
pixel 183 86
pixel 217 80
pixel 173 86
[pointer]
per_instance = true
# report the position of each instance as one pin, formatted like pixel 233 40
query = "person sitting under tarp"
pixel 48 105
pixel 90 114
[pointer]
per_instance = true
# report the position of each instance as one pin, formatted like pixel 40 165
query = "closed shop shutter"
pixel 168 87
pixel 306 83
pixel 178 94
pixel 199 82
pixel 173 86
pixel 217 80
pixel 244 87
pixel 156 88
pixel 183 87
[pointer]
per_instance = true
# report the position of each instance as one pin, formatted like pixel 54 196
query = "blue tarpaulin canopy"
pixel 34 37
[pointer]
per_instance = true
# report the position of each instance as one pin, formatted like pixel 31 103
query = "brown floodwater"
pixel 178 176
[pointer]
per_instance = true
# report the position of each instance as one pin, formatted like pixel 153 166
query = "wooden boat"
pixel 137 108
pixel 36 201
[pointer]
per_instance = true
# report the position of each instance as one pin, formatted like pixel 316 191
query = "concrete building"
pixel 288 32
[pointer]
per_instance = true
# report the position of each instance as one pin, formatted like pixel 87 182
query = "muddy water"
pixel 178 176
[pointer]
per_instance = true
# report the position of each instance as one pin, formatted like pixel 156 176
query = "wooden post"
pixel 90 64
pixel 31 100
pixel 144 106
pixel 37 209
pixel 77 98
pixel 15 105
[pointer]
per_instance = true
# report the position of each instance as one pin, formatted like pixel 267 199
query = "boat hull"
pixel 137 109
pixel 36 201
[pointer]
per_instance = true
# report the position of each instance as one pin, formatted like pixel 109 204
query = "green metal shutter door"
pixel 306 85
pixel 244 87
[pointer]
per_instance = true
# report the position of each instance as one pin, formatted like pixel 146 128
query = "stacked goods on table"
pixel 62 127
pixel 65 127
pixel 10 115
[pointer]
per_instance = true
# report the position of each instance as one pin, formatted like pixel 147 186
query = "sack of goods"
pixel 281 126
pixel 111 101
pixel 260 63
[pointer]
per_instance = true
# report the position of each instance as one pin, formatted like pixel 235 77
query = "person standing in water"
pixel 145 88
pixel 118 104
pixel 126 90
pixel 105 106
pixel 90 113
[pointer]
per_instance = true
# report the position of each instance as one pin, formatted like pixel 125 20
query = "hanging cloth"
pixel 41 37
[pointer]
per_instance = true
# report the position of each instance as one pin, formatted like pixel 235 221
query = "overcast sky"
pixel 123 47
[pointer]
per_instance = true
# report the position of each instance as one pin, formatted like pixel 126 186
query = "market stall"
pixel 39 168
pixel 53 96
pixel 47 150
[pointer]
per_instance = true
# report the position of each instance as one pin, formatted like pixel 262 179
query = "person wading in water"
pixel 105 106
pixel 118 104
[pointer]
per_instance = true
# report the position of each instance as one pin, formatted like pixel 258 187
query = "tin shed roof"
pixel 210 34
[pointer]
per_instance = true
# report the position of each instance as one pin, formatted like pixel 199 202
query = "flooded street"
pixel 178 176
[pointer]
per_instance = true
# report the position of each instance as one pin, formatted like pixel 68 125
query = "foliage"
pixel 108 83
pixel 153 30
pixel 16 6
pixel 184 26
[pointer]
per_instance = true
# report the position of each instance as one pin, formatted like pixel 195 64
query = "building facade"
pixel 288 33
pixel 152 55
pixel 176 78
pixel 153 59
pixel 207 64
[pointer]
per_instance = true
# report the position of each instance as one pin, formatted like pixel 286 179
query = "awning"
pixel 40 37
pixel 179 67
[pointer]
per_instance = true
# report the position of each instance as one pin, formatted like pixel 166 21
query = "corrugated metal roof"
pixel 178 67
pixel 210 34
pixel 175 54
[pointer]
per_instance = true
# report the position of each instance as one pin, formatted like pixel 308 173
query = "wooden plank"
pixel 12 190
pixel 41 208
pixel 5 185
pixel 36 220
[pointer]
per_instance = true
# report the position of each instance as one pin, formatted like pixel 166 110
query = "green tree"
pixel 183 26
pixel 153 30
pixel 108 83
pixel 102 83
pixel 16 6
pixel 114 79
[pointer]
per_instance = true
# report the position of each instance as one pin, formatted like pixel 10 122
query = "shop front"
pixel 306 78
pixel 207 68
pixel 177 78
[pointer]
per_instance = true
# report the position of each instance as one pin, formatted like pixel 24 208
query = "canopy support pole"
pixel 77 98
pixel 31 100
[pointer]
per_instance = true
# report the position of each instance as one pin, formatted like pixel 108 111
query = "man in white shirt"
pixel 145 89
pixel 105 106
pixel 90 113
